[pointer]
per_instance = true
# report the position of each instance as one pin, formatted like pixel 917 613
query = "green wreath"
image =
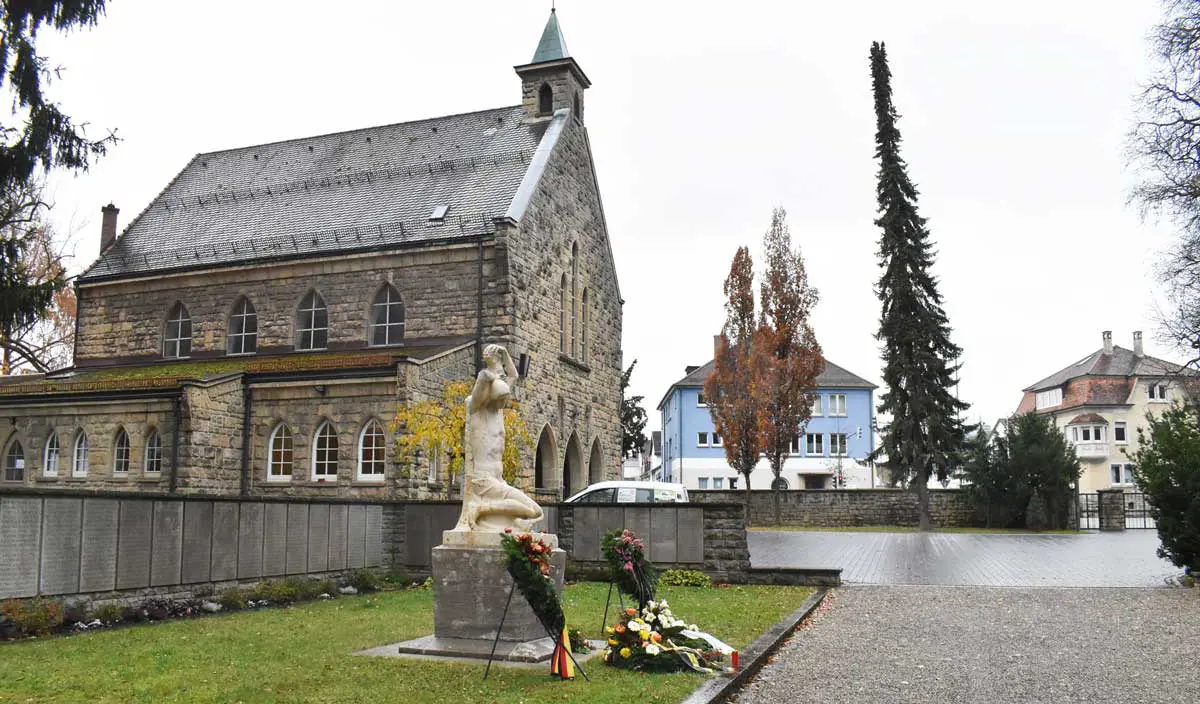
pixel 628 567
pixel 529 565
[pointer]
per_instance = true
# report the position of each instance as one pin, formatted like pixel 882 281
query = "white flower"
pixel 653 649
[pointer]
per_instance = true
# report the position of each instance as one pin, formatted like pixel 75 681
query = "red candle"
pixel 735 660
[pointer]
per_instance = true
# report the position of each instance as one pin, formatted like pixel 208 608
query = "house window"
pixel 1087 433
pixel 718 482
pixel 279 463
pixel 370 451
pixel 815 443
pixel 1048 399
pixel 1156 392
pixel 733 482
pixel 837 404
pixel 14 462
pixel 121 453
pixel 1119 432
pixel 1121 473
pixel 794 445
pixel 837 444
pixel 583 329
pixel 243 328
pixel 153 464
pixel 177 339
pixel 703 482
pixel 700 400
pixel 312 323
pixel 387 317
pixel 80 467
pixel 701 439
pixel 50 466
pixel 325 453
pixel 716 440
pixel 816 406
pixel 562 316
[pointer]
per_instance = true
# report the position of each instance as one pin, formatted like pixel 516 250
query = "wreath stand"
pixel 608 602
pixel 553 637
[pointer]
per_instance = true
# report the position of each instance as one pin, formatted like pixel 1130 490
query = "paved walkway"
pixel 1084 560
pixel 976 645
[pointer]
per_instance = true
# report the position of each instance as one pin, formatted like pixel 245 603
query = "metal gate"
pixel 1134 504
pixel 1137 511
pixel 1089 512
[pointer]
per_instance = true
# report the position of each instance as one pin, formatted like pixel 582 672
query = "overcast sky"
pixel 1013 115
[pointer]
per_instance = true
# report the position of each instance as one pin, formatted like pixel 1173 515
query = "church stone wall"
pixel 125 320
pixel 575 396
pixel 31 425
pixel 210 454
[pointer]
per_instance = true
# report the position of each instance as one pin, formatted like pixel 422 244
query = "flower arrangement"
pixel 628 567
pixel 654 640
pixel 529 565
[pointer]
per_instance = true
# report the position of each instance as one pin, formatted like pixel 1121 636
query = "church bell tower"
pixel 552 80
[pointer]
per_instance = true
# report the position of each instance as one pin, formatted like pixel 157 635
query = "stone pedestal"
pixel 470 587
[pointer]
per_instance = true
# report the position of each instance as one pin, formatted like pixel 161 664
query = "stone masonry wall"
pixel 210 455
pixel 572 396
pixel 101 422
pixel 849 507
pixel 125 320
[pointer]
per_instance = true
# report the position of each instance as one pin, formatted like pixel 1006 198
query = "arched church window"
pixel 545 99
pixel 387 317
pixel 177 338
pixel 243 328
pixel 312 323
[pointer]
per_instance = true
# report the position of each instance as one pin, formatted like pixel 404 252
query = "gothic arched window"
pixel 545 99
pixel 312 323
pixel 243 328
pixel 562 316
pixel 280 454
pixel 177 338
pixel 387 317
pixel 574 295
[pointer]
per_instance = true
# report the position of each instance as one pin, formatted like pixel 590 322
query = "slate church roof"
pixel 361 190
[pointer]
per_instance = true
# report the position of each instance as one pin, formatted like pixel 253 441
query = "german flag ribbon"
pixel 560 660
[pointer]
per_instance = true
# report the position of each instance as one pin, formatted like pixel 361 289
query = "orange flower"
pixel 657 637
pixel 631 611
pixel 619 628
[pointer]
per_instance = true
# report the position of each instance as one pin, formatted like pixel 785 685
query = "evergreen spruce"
pixel 925 436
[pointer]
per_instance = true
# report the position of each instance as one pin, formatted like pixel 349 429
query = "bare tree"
pixel 1164 145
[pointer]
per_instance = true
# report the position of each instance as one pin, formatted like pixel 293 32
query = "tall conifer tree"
pixel 925 435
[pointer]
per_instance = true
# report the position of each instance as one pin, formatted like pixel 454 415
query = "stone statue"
pixel 489 503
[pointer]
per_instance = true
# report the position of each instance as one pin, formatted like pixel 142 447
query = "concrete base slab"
pixel 534 652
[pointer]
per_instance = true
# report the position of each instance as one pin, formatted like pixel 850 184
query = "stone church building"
pixel 255 328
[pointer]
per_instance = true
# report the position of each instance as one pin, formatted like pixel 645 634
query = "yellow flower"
pixel 625 652
pixel 645 635
pixel 612 641
pixel 608 630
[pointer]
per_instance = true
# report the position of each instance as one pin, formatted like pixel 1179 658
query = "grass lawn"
pixel 302 654
pixel 913 529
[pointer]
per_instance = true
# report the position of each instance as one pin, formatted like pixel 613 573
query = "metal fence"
pixel 1134 504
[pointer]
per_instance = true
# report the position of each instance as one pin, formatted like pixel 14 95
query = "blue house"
pixel 830 452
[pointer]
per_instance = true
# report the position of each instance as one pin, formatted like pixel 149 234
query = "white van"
pixel 629 492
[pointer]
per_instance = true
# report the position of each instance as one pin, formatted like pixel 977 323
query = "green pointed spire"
pixel 552 47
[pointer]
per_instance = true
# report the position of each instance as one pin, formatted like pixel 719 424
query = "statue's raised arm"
pixel 490 503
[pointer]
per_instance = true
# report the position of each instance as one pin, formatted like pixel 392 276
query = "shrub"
pixel 232 600
pixel 1168 472
pixel 685 578
pixel 109 613
pixel 308 589
pixel 364 580
pixel 284 592
pixel 35 617
pixel 1035 513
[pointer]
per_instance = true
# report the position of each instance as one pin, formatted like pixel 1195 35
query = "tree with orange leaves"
pixel 730 389
pixel 785 346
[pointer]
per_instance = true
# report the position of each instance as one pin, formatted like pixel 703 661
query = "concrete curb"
pixel 719 689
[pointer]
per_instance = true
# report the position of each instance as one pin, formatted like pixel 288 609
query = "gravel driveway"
pixel 978 644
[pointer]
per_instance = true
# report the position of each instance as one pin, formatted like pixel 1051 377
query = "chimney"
pixel 108 226
pixel 1137 343
pixel 716 344
pixel 1107 335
